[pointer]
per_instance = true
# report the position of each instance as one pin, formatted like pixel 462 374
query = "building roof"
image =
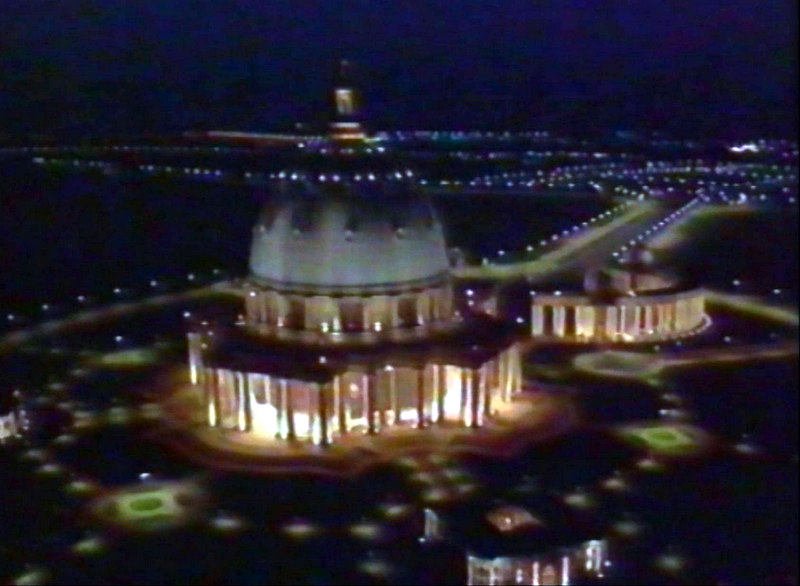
pixel 343 232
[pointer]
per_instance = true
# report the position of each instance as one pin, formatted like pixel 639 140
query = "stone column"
pixel 238 385
pixel 662 318
pixel 393 397
pixel 339 404
pixel 648 318
pixel 421 397
pixel 248 404
pixel 212 396
pixel 584 321
pixel 537 320
pixel 516 370
pixel 559 320
pixel 441 390
pixel 622 312
pixel 611 322
pixel 283 415
pixel 423 307
pixel 637 320
pixel 486 378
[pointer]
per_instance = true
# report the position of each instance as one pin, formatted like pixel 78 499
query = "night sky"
pixel 110 67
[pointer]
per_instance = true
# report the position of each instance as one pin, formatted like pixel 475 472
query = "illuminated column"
pixel 584 322
pixel 462 410
pixel 537 320
pixel 662 318
pixel 238 386
pixel 395 416
pixel 243 402
pixel 611 322
pixel 195 344
pixel 559 320
pixel 622 315
pixel 637 320
pixel 441 389
pixel 565 570
pixel 212 397
pixel 680 315
pixel 290 392
pixel 535 574
pixel 648 319
pixel 420 304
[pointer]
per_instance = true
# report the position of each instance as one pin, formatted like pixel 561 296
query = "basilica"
pixel 348 322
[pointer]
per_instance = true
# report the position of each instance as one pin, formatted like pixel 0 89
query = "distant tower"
pixel 345 125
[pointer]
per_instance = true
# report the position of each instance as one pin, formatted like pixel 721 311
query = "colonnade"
pixel 562 566
pixel 348 313
pixel 630 319
pixel 364 400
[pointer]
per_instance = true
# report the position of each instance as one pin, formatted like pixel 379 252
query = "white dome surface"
pixel 345 236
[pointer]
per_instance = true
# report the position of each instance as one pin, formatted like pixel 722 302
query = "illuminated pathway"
pixel 93 316
pixel 754 306
pixel 574 252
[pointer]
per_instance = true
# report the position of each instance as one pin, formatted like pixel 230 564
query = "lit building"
pixel 349 324
pixel 508 544
pixel 13 418
pixel 631 304
pixel 345 126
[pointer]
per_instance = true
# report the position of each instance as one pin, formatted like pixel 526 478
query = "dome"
pixel 347 232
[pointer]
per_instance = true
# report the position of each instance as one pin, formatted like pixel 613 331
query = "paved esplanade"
pixel 576 254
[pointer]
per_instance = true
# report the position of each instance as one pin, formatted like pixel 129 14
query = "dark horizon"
pixel 695 71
